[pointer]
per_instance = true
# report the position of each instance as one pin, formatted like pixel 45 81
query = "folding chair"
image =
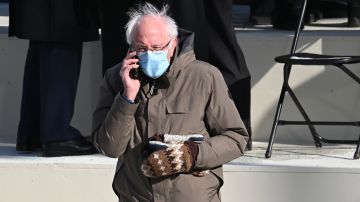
pixel 296 58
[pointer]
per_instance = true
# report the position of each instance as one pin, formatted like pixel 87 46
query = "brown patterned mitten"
pixel 177 158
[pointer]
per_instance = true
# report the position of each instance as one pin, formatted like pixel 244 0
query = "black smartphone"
pixel 135 72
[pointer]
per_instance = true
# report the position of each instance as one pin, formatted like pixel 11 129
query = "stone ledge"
pixel 284 157
pixel 295 173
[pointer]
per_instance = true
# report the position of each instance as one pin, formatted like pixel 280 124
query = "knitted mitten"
pixel 176 158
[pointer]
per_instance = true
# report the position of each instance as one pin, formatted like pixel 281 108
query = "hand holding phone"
pixel 128 70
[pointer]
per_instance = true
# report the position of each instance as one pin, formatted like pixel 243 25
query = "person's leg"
pixel 353 13
pixel 59 74
pixel 260 11
pixel 28 135
pixel 286 14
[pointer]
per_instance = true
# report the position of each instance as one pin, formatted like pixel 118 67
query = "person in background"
pixel 286 13
pixel 113 19
pixel 167 117
pixel 56 30
pixel 215 42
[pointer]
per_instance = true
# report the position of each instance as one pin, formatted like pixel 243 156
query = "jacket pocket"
pixel 176 107
pixel 184 117
pixel 187 187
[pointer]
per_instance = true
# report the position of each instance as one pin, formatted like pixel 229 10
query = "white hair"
pixel 148 9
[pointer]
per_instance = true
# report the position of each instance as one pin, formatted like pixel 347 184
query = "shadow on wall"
pixel 88 88
pixel 12 60
pixel 326 93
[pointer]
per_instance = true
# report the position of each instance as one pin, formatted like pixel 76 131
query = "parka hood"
pixel 184 53
pixel 186 41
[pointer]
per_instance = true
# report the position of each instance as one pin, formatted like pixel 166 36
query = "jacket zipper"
pixel 152 88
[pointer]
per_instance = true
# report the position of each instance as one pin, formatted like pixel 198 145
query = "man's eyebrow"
pixel 142 44
pixel 139 44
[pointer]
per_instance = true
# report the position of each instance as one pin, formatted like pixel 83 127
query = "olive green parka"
pixel 191 98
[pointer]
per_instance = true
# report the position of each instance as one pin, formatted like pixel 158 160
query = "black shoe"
pixel 260 20
pixel 73 147
pixel 353 22
pixel 28 147
pixel 353 14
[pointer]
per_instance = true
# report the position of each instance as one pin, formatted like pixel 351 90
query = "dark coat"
pixel 54 20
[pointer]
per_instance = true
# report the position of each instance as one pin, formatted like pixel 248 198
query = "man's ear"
pixel 174 43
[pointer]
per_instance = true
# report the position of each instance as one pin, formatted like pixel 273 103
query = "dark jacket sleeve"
pixel 228 134
pixel 113 120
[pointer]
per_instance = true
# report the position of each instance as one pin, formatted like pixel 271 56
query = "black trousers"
pixel 49 89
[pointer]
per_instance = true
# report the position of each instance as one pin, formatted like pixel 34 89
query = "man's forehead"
pixel 151 32
pixel 150 25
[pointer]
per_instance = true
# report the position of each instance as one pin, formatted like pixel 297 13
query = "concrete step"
pixel 30 177
pixel 294 173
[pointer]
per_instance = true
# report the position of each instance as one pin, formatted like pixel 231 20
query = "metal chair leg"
pixel 275 123
pixel 312 129
pixel 357 151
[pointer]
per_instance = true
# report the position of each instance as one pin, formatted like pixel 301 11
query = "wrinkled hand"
pixel 177 158
pixel 131 86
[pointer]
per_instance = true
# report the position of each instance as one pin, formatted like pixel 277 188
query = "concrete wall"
pixel 326 92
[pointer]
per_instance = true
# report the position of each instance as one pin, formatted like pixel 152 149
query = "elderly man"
pixel 167 116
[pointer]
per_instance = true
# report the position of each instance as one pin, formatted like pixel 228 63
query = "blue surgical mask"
pixel 153 63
